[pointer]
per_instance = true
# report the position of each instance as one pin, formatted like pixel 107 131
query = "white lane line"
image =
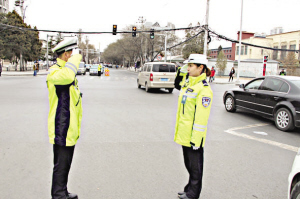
pixel 265 141
pixel 260 133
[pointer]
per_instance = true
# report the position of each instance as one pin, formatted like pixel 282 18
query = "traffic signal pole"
pixel 240 44
pixel 206 29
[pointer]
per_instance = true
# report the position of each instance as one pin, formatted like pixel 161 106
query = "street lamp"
pixel 21 4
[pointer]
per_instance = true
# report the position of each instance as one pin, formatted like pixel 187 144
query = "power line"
pixel 120 32
pixel 248 44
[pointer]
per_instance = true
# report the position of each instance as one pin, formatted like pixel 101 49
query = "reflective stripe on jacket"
pixel 194 105
pixel 65 114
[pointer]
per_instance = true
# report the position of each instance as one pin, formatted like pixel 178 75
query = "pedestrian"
pixel 0 69
pixel 282 72
pixel 99 70
pixel 194 105
pixel 212 75
pixel 37 67
pixel 65 114
pixel 34 69
pixel 231 74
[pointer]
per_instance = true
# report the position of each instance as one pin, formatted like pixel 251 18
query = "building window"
pixel 283 53
pixel 293 47
pixel 246 50
pixel 237 50
pixel 242 50
pixel 275 53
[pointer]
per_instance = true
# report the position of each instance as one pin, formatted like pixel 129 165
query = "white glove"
pixel 196 147
pixel 75 52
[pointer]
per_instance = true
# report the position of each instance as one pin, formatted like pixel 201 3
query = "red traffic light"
pixel 133 31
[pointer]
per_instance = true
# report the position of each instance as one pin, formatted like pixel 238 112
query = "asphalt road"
pixel 126 149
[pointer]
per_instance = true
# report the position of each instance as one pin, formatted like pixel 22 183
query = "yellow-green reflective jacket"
pixel 99 67
pixel 193 111
pixel 65 114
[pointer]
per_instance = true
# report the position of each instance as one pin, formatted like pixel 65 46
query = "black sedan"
pixel 273 97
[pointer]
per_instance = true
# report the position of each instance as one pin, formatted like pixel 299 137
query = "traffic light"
pixel 134 31
pixel 114 29
pixel 265 58
pixel 152 34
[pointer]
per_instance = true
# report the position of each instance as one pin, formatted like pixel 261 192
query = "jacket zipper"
pixel 78 101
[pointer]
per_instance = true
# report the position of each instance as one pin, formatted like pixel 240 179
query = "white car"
pixel 157 75
pixel 81 69
pixel 294 179
pixel 94 69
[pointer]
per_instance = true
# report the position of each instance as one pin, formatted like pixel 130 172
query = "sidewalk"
pixel 23 73
pixel 218 79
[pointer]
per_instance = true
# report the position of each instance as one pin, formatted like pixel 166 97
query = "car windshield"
pixel 163 68
pixel 94 66
pixel 297 83
pixel 81 65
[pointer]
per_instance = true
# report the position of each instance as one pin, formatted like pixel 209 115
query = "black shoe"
pixel 72 196
pixel 181 193
pixel 184 196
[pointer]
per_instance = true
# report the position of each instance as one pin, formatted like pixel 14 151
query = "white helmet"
pixel 66 45
pixel 197 59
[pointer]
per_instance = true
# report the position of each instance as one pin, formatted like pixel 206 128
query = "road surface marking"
pixel 273 143
pixel 260 133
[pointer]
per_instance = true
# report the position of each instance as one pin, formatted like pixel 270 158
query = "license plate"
pixel 164 79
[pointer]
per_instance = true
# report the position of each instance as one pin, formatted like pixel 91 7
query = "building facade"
pixel 4 6
pixel 288 40
pixel 227 52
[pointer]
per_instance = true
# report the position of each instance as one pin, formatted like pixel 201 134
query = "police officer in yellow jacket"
pixel 65 114
pixel 99 69
pixel 194 105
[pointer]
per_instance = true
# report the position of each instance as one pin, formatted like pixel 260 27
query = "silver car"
pixel 157 75
pixel 294 179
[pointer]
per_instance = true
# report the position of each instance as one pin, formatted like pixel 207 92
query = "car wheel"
pixel 170 90
pixel 146 87
pixel 139 86
pixel 284 120
pixel 229 104
pixel 295 194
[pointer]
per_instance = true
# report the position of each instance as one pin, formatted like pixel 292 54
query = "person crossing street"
pixel 194 104
pixel 65 114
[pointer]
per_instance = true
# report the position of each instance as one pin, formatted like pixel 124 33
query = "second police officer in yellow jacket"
pixel 194 105
pixel 99 69
pixel 65 114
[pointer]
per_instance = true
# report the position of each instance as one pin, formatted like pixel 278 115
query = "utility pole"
pixel 47 54
pixel 87 46
pixel 206 29
pixel 240 44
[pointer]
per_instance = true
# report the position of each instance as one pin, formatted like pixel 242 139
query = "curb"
pixel 24 74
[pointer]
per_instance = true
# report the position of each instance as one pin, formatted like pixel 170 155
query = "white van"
pixel 157 75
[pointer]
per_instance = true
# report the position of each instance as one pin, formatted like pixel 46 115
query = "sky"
pixel 224 16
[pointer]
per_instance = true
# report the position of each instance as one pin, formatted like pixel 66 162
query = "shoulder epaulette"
pixel 204 83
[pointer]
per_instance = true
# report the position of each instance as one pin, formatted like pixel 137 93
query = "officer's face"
pixel 194 70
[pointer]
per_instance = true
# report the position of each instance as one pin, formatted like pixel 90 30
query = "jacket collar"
pixel 195 80
pixel 60 62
